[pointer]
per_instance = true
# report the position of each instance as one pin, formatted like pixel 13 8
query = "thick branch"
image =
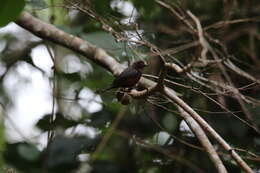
pixel 170 94
pixel 51 33
pixel 200 134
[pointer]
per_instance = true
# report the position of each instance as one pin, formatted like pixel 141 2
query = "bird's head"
pixel 139 65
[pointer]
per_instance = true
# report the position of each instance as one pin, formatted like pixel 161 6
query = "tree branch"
pixel 203 140
pixel 53 34
pixel 170 94
pixel 99 56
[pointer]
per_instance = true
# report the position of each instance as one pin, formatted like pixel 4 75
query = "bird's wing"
pixel 128 74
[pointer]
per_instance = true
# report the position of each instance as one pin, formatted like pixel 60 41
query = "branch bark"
pixel 200 134
pixel 170 94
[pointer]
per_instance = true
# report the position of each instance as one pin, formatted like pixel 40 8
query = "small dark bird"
pixel 129 77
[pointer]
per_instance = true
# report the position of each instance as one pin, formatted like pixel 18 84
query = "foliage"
pixel 148 135
pixel 7 15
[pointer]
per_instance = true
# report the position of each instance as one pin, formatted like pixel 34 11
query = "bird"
pixel 129 77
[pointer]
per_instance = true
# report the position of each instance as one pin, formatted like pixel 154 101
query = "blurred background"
pixel 52 119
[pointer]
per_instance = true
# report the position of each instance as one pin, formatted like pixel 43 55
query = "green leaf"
pixel 61 154
pixel 73 77
pixel 10 10
pixel 170 122
pixel 60 121
pixel 147 8
pixel 28 152
pixel 107 42
pixel 111 167
pixel 22 154
pixel 37 3
pixel 102 7
pixel 101 118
